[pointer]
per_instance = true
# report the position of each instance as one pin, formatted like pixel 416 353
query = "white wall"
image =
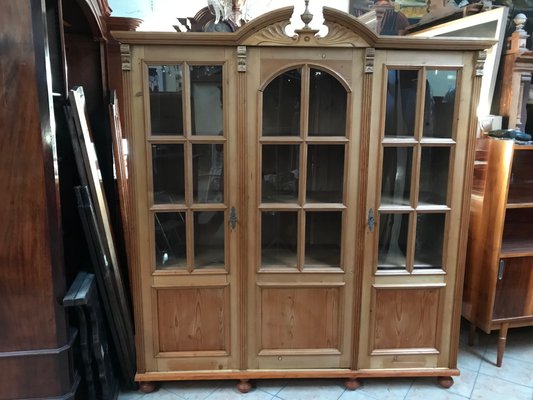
pixel 160 15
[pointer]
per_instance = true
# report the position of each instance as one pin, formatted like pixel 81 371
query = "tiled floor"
pixel 480 380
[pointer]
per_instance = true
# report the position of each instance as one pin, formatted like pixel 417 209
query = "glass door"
pixel 300 288
pixel 187 259
pixel 413 208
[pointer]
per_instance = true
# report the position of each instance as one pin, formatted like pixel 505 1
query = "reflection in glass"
pixel 208 173
pixel 280 172
pixel 396 175
pixel 325 173
pixel 429 240
pixel 165 85
pixel 323 239
pixel 209 239
pixel 327 105
pixel 279 231
pixel 281 105
pixel 434 175
pixel 206 100
pixel 170 242
pixel 168 173
pixel 392 247
pixel 401 102
pixel 439 103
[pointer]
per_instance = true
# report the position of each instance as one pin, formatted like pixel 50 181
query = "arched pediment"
pixel 270 30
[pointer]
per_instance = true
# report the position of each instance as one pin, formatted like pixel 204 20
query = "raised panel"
pixel 192 319
pixel 300 318
pixel 405 318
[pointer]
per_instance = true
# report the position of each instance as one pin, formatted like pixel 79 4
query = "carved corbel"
pixel 480 62
pixel 125 56
pixel 370 54
pixel 241 58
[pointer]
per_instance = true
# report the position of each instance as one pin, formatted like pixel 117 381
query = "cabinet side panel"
pixel 30 317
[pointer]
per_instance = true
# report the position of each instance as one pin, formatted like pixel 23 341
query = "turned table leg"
pixel 244 386
pixel 445 381
pixel 502 340
pixel 352 383
pixel 147 387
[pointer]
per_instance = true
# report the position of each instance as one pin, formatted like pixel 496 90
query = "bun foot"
pixel 352 383
pixel 147 387
pixel 445 381
pixel 244 386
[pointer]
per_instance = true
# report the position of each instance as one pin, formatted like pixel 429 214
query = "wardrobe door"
pixel 416 175
pixel 185 183
pixel 302 157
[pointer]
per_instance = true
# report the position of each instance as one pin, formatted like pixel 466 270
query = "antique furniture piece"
pixel 35 341
pixel 516 77
pixel 298 200
pixel 499 269
pixel 42 246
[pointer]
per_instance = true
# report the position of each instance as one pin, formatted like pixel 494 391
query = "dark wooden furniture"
pixel 498 290
pixel 41 243
pixel 100 379
pixel 35 347
pixel 298 201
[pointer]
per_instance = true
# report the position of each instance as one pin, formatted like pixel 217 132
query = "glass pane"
pixel 170 242
pixel 429 240
pixel 209 239
pixel 396 175
pixel 281 105
pixel 440 103
pixel 401 103
pixel 323 239
pixel 279 231
pixel 327 105
pixel 208 173
pixel 165 83
pixel 392 248
pixel 325 173
pixel 281 173
pixel 434 169
pixel 206 100
pixel 168 173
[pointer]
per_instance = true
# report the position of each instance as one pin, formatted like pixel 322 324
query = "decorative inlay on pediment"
pixel 340 36
pixel 273 35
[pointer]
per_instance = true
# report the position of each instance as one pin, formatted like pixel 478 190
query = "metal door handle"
pixel 371 220
pixel 233 218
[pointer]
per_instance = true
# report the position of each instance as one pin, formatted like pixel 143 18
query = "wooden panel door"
pixel 514 288
pixel 416 175
pixel 302 150
pixel 185 195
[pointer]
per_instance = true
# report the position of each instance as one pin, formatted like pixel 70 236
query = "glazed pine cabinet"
pixel 299 200
pixel 499 274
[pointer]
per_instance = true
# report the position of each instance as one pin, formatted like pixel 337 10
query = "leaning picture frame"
pixel 100 237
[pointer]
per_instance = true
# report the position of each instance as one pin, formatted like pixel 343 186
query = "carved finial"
pixel 518 40
pixel 520 20
pixel 306 16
